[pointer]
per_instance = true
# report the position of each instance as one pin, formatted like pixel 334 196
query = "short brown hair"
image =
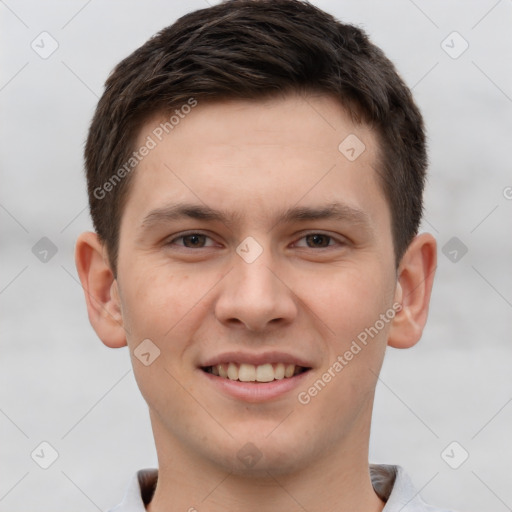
pixel 250 49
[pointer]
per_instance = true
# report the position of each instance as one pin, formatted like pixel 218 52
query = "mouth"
pixel 255 377
pixel 262 373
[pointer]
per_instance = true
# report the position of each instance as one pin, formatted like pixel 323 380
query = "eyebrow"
pixel 178 211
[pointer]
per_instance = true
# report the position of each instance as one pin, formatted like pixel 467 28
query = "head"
pixel 281 47
pixel 295 157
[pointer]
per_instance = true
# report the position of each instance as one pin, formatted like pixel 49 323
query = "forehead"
pixel 256 159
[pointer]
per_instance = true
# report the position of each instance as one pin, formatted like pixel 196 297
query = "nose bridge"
pixel 252 260
pixel 253 295
pixel 256 278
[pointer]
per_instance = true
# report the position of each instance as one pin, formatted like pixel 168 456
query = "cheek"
pixel 160 307
pixel 350 300
pixel 166 307
pixel 153 302
pixel 354 302
pixel 350 304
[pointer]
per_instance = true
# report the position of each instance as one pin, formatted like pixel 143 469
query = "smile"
pixel 255 373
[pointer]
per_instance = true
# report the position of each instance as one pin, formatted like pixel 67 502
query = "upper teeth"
pixel 251 373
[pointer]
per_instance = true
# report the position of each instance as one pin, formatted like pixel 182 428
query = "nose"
pixel 255 296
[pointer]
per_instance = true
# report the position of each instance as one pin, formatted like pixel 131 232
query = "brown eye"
pixel 195 240
pixel 318 240
pixel 191 241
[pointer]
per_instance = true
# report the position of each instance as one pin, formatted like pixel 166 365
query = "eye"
pixel 318 240
pixel 195 240
pixel 191 240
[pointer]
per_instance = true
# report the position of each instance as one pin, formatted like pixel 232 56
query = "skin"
pixel 303 295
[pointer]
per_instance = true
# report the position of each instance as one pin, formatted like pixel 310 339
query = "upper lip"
pixel 256 359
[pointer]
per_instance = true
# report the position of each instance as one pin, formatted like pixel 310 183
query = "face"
pixel 252 245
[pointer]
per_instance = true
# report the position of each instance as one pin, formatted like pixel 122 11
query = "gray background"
pixel 59 384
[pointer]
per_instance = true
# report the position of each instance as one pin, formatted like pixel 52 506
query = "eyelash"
pixel 191 233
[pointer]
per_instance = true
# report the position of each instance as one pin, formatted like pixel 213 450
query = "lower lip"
pixel 256 391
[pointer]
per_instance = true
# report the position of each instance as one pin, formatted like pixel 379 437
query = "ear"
pixel 101 290
pixel 414 286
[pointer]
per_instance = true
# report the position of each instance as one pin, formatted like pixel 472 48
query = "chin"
pixel 263 455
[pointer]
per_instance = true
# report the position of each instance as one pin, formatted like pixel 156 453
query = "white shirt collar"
pixel 391 483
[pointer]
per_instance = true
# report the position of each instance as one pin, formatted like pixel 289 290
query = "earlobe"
pixel 101 290
pixel 414 287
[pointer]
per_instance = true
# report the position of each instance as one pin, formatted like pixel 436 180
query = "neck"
pixel 336 481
